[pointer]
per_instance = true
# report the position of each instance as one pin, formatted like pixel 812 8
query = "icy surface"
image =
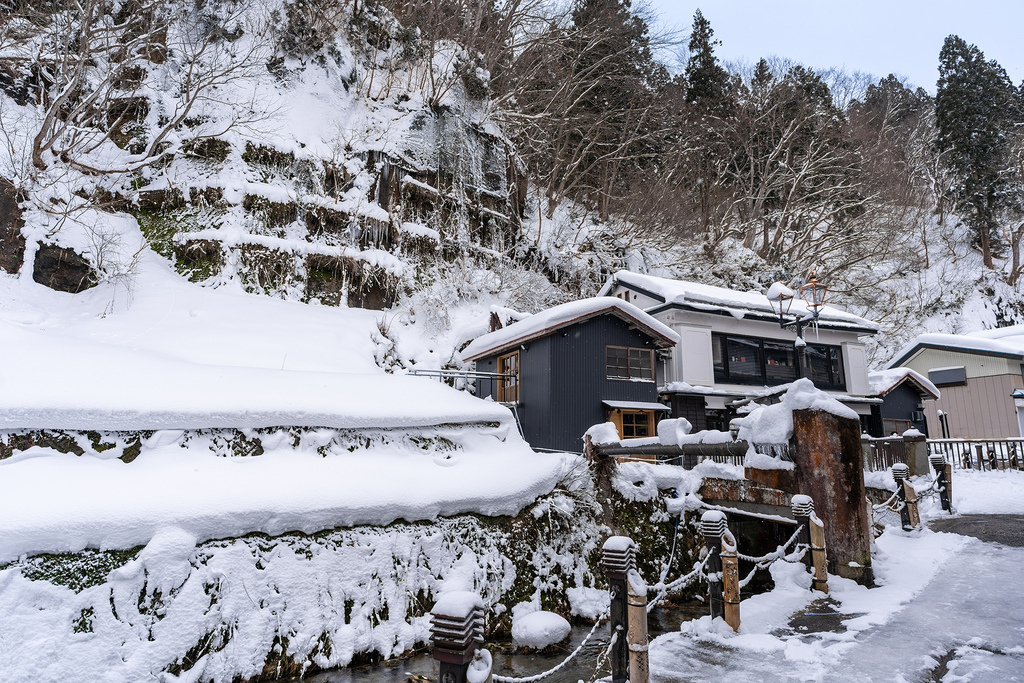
pixel 539 629
pixel 561 315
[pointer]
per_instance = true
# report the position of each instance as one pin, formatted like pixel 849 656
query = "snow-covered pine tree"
pixel 973 105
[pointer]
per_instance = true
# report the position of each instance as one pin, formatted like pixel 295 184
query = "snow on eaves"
pixel 739 304
pixel 55 382
pixel 1008 344
pixel 542 323
pixel 881 382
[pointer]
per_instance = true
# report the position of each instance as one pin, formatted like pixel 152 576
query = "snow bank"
pixel 774 424
pixel 53 382
pixel 52 502
pixel 539 629
pixel 988 493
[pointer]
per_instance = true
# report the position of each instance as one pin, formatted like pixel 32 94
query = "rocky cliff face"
pixel 327 170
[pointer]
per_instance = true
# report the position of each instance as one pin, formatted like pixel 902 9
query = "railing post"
pixel 803 508
pixel 456 626
pixel 818 556
pixel 636 633
pixel 713 525
pixel 900 472
pixel 943 475
pixel 915 454
pixel 730 580
pixel 814 536
pixel 617 561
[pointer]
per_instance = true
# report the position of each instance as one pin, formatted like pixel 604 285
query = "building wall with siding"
pixel 900 404
pixel 981 408
pixel 563 382
pixel 976 364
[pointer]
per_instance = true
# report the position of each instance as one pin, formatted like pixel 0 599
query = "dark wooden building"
pixel 903 392
pixel 572 366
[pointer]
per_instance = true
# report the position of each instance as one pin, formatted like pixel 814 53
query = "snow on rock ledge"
pixel 539 629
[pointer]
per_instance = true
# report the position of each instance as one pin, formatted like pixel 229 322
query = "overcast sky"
pixel 874 36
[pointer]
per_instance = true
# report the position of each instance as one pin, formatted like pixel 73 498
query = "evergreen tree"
pixel 973 110
pixel 705 77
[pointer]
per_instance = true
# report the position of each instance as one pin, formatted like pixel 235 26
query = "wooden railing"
pixel 881 454
pixel 980 454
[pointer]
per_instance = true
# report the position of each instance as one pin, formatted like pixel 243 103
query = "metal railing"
pixel 477 383
pixel 980 454
pixel 881 454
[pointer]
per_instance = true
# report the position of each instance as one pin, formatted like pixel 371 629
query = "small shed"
pixel 903 392
pixel 572 366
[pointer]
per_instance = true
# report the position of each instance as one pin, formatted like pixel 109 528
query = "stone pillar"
pixel 830 469
pixel 917 454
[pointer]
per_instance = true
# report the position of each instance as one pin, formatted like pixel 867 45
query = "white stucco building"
pixel 732 347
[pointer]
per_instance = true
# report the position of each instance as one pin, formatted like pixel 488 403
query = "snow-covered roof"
pixel 696 296
pixel 1005 341
pixel 882 382
pixel 636 405
pixel 556 317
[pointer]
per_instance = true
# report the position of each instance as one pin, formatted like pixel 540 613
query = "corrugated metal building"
pixel 574 366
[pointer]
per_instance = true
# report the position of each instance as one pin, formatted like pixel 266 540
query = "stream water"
pixel 421 667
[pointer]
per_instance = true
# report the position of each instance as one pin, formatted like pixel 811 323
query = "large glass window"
pixel 779 362
pixel 816 365
pixel 626 362
pixel 748 360
pixel 744 357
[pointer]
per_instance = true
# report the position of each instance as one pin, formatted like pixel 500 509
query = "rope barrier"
pixel 663 589
pixel 572 655
pixel 606 654
pixel 776 554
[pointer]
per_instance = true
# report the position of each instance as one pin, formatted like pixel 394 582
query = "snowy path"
pixel 974 606
pixel 964 626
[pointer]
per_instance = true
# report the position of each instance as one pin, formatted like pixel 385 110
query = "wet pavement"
pixel 1005 529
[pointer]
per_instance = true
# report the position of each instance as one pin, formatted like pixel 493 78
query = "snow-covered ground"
pixel 943 600
pixel 173 358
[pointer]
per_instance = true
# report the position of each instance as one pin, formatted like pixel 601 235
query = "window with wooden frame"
pixel 508 385
pixel 636 424
pixel 627 362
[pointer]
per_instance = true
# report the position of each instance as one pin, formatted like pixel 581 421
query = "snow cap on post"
pixel 617 556
pixel 456 625
pixel 803 506
pixel 900 471
pixel 713 523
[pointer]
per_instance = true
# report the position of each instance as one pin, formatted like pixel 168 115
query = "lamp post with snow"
pixel 780 297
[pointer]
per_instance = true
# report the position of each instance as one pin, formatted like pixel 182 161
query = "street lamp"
pixel 780 297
